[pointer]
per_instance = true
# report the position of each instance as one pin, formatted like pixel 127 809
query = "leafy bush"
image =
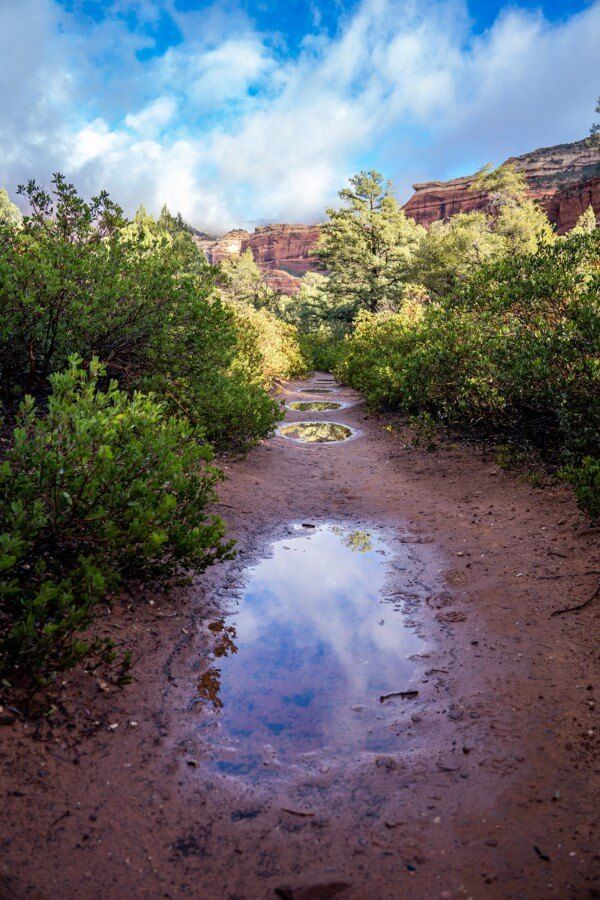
pixel 586 483
pixel 514 350
pixel 77 278
pixel 268 346
pixel 97 488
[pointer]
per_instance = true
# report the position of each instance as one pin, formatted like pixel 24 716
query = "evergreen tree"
pixel 453 250
pixel 368 245
pixel 586 223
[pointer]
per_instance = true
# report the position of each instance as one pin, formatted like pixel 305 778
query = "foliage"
pixel 585 479
pixel 77 278
pixel 241 279
pixel 503 185
pixel 586 223
pixel 367 246
pixel 98 487
pixel 267 345
pixel 9 213
pixel 513 349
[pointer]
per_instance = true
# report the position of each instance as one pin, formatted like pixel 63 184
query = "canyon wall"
pixel 565 179
pixel 286 247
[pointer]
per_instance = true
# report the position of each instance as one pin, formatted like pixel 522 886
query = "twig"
pixel 59 819
pixel 406 695
pixel 559 612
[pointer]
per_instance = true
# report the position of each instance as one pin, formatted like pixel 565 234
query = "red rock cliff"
pixel 565 179
pixel 284 247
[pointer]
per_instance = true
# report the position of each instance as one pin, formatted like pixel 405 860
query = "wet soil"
pixel 488 786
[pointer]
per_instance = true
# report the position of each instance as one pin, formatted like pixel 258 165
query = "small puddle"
pixel 303 663
pixel 316 432
pixel 315 390
pixel 314 405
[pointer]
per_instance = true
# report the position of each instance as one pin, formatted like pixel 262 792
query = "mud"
pixel 488 787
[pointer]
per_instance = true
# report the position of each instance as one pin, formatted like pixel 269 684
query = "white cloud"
pixel 230 130
pixel 154 118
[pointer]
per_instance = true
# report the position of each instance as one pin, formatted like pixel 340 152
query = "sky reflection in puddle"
pixel 301 665
pixel 314 405
pixel 316 432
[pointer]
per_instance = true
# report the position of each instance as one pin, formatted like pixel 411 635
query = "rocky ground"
pixel 493 791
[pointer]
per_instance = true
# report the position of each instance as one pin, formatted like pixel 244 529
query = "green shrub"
pixel 98 488
pixel 77 278
pixel 269 347
pixel 586 483
pixel 513 352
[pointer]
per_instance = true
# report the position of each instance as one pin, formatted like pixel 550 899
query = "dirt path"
pixel 494 789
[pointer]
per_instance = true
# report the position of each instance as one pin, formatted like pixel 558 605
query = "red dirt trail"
pixel 493 790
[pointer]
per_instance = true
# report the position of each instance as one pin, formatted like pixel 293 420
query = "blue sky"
pixel 243 112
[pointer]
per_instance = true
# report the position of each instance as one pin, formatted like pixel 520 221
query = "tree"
pixel 242 280
pixel 9 213
pixel 595 129
pixel 368 245
pixel 451 251
pixel 524 227
pixel 586 223
pixel 504 185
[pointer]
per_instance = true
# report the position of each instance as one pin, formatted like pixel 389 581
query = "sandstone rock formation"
pixel 217 249
pixel 563 178
pixel 286 247
pixel 282 252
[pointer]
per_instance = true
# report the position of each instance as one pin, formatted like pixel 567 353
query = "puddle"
pixel 302 664
pixel 316 390
pixel 314 405
pixel 316 432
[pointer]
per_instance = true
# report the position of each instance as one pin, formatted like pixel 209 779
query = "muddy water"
pixel 316 432
pixel 313 405
pixel 305 661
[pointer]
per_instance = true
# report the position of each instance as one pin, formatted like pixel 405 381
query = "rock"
pixel 286 247
pixel 218 249
pixel 565 179
pixel 281 252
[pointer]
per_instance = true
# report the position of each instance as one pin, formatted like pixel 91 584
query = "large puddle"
pixel 316 432
pixel 304 663
pixel 314 405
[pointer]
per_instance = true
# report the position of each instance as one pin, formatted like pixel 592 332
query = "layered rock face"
pixel 285 247
pixel 282 252
pixel 218 249
pixel 563 178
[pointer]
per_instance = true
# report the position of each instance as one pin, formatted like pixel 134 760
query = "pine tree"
pixel 368 245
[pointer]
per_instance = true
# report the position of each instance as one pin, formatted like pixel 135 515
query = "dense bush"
pixel 76 278
pixel 268 345
pixel 107 475
pixel 97 487
pixel 514 350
